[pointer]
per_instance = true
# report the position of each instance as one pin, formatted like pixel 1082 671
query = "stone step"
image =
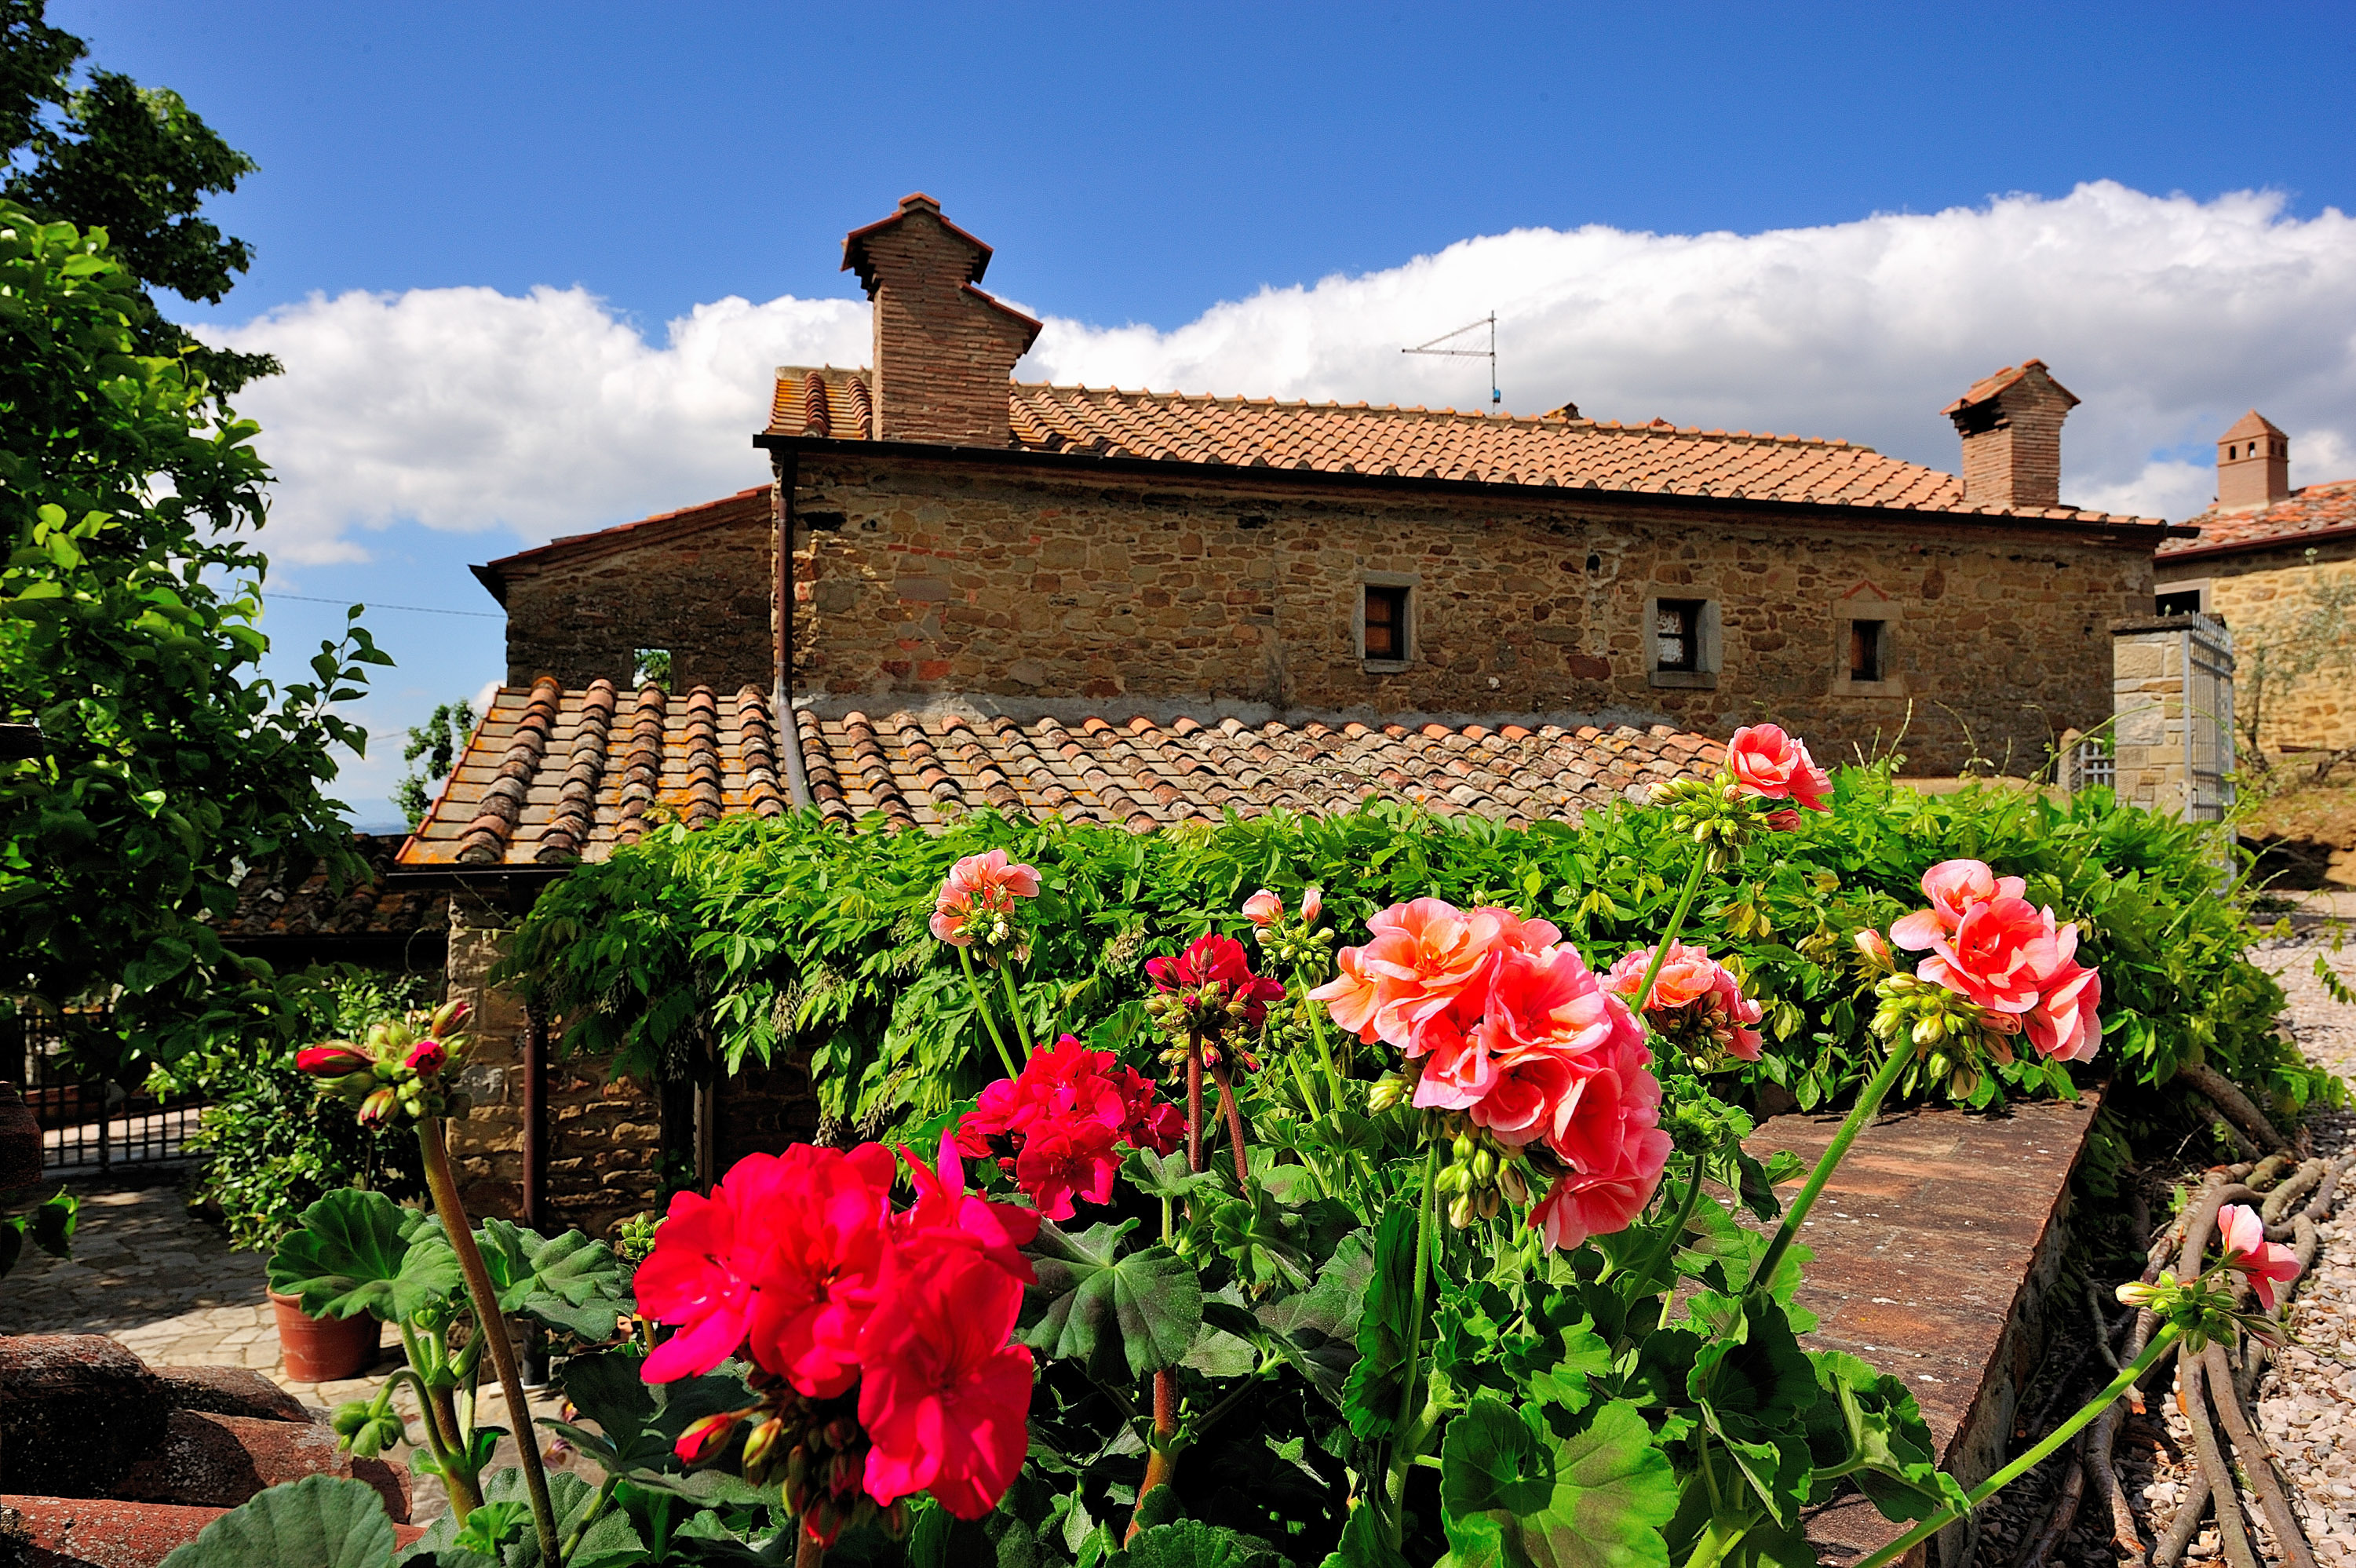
pixel 1935 1244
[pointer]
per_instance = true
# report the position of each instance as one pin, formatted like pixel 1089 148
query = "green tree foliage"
pixel 436 743
pixel 106 153
pixel 129 611
pixel 751 937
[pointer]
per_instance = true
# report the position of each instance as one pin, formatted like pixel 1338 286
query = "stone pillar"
pixel 486 1145
pixel 2171 701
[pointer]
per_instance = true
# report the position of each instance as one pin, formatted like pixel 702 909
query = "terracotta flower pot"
pixel 324 1349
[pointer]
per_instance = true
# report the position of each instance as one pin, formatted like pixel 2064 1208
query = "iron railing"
pixel 88 1120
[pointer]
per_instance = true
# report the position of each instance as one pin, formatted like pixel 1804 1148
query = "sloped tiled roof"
pixel 1542 450
pixel 1987 387
pixel 282 901
pixel 2310 512
pixel 551 776
pixel 918 769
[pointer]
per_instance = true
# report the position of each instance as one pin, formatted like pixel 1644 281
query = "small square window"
pixel 650 667
pixel 1386 623
pixel 2183 602
pixel 1677 636
pixel 1865 649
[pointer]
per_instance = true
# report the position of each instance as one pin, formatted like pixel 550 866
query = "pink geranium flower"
pixel 1768 763
pixel 1695 1000
pixel 1998 956
pixel 945 1398
pixel 943 1207
pixel 1425 958
pixel 2265 1263
pixel 977 897
pixel 1580 1205
pixel 1263 909
pixel 333 1059
pixel 1954 887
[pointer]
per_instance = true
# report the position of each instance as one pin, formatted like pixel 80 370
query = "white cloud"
pixel 469 409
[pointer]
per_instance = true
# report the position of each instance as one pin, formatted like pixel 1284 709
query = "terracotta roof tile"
pixel 551 776
pixel 2311 512
pixel 1543 450
pixel 278 902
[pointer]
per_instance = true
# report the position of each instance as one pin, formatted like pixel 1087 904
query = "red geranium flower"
pixel 944 1399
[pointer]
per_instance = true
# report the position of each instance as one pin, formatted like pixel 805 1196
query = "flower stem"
pixel 605 1497
pixel 1161 1457
pixel 1014 1009
pixel 1669 936
pixel 490 1324
pixel 1667 1246
pixel 982 1007
pixel 2035 1456
pixel 1224 1078
pixel 808 1551
pixel 1403 1454
pixel 1193 1104
pixel 1868 1101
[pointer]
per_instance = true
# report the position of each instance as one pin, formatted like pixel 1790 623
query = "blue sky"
pixel 1188 172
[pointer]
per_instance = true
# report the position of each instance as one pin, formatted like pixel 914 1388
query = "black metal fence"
pixel 89 1121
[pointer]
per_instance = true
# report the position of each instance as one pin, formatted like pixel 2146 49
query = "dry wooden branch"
pixel 2257 1461
pixel 2226 1096
pixel 2065 1509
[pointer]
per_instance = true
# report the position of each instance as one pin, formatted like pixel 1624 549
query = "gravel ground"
pixel 2307 1400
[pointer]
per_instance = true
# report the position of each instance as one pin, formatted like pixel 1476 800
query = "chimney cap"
pixel 1988 388
pixel 854 245
pixel 2249 424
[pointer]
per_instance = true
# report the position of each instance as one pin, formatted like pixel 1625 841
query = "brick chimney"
pixel 2011 427
pixel 944 349
pixel 2253 464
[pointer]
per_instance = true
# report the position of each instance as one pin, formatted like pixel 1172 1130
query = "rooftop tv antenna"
pixel 1490 353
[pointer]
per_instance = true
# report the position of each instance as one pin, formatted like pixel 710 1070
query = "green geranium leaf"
pixel 1191 1544
pixel 1123 1315
pixel 320 1521
pixel 1164 1176
pixel 359 1251
pixel 1596 1499
pixel 1317 1330
pixel 567 1282
pixel 1363 1544
pixel 1377 1382
pixel 638 1421
pixel 1869 1419
pixel 1491 1461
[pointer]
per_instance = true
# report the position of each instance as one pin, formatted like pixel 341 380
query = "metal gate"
pixel 2208 666
pixel 89 1121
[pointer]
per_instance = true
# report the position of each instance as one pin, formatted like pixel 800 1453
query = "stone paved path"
pixel 146 1273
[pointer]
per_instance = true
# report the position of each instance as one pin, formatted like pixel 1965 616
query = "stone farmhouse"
pixel 965 591
pixel 2264 554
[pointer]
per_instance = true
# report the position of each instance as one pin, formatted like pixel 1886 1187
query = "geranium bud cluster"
pixel 1696 1002
pixel 1505 1029
pixel 1208 995
pixel 395 1071
pixel 976 906
pixel 1768 781
pixel 1059 1127
pixel 1998 967
pixel 814 1450
pixel 1482 1177
pixel 1285 939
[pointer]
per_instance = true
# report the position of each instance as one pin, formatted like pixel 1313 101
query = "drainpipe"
pixel 785 467
pixel 535 1118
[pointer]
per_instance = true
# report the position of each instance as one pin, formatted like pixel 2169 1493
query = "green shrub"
pixel 751 937
pixel 269 1144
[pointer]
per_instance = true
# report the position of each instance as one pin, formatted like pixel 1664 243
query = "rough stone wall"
pixel 605 1135
pixel 915 578
pixel 702 593
pixel 2264 596
pixel 2149 743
